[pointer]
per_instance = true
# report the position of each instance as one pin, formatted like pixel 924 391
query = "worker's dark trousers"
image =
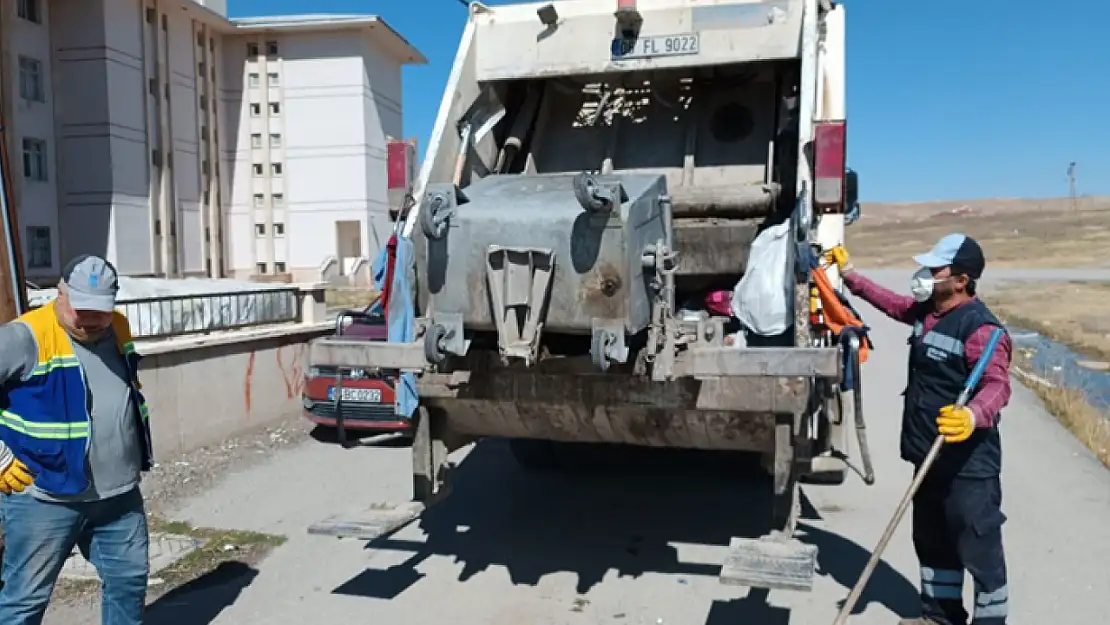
pixel 957 527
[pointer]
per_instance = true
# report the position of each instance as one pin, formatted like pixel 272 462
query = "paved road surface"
pixel 644 548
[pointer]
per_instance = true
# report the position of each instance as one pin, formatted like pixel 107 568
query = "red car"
pixel 367 399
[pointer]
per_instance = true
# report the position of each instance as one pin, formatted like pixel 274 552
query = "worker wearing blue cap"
pixel 74 441
pixel 957 514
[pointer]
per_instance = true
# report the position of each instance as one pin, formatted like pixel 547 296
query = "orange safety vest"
pixel 837 315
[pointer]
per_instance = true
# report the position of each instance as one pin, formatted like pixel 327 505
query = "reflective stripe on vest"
pixel 51 431
pixel 43 325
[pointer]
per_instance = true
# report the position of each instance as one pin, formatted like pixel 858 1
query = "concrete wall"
pixel 202 392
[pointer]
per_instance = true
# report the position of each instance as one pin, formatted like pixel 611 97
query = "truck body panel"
pixel 596 170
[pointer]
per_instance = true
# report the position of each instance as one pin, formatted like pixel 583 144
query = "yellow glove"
pixel 955 423
pixel 14 476
pixel 839 255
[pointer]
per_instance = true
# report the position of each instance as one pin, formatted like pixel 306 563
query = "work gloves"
pixel 14 476
pixel 956 424
pixel 839 255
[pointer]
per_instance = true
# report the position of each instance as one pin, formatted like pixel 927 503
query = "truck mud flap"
pixel 374 522
pixel 770 562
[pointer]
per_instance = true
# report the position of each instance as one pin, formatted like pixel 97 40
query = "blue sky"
pixel 947 98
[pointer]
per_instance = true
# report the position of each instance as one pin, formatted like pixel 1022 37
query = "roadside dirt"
pixel 1072 313
pixel 226 554
pixel 1013 233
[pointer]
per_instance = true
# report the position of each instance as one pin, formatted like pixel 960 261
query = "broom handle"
pixel 934 451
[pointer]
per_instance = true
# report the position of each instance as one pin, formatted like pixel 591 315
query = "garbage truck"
pixel 614 238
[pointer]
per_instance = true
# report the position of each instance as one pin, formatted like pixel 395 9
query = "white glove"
pixel 6 457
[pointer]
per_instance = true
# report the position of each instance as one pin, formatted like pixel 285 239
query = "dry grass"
pixel 1041 234
pixel 349 297
pixel 1072 313
pixel 1089 424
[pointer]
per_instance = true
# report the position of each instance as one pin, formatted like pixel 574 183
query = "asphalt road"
pixel 644 546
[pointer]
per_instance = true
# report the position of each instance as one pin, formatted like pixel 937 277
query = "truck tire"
pixel 533 454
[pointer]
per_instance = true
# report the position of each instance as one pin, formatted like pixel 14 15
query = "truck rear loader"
pixel 595 170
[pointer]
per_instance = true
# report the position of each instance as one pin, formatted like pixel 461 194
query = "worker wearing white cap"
pixel 74 441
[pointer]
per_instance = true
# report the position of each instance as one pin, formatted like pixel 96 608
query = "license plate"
pixel 357 395
pixel 657 45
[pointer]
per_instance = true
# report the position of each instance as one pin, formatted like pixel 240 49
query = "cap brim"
pixel 99 303
pixel 931 261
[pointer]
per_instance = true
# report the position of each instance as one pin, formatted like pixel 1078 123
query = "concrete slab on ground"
pixel 165 549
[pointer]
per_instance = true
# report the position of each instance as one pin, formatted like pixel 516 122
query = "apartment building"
pixel 178 142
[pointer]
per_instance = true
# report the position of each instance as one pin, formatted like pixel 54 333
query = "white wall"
pixel 340 97
pixel 31 118
pixel 109 128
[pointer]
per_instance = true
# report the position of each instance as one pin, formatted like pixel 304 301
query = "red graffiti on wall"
pixel 292 373
pixel 247 379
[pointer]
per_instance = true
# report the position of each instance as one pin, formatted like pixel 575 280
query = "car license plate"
pixel 657 45
pixel 357 395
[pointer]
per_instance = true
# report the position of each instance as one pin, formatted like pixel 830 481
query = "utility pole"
pixel 1071 186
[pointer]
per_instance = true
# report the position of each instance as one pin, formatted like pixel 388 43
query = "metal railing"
pixel 166 316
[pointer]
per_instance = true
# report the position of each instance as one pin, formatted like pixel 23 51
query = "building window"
pixel 260 267
pixel 252 49
pixel 259 200
pixel 260 229
pixel 252 79
pixel 201 69
pixel 31 79
pixel 203 103
pixel 275 169
pixel 200 39
pixel 279 267
pixel 257 170
pixel 273 79
pixel 256 109
pixel 256 140
pixel 30 10
pixel 271 48
pixel 278 199
pixel 279 230
pixel 34 159
pixel 38 247
pixel 275 140
pixel 275 108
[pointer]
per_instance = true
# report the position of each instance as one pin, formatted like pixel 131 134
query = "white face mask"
pixel 922 284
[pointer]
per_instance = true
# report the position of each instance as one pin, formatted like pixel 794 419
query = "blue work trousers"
pixel 39 536
pixel 957 529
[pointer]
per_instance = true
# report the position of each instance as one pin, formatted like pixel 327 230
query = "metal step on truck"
pixel 598 171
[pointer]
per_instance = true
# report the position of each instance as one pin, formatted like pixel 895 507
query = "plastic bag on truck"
pixel 763 299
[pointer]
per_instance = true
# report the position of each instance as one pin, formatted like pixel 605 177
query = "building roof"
pixel 317 22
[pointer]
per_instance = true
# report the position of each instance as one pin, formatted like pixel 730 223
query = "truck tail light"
pixel 400 171
pixel 628 16
pixel 830 155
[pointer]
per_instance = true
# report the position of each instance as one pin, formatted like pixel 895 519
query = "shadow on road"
pixel 620 515
pixel 200 601
pixel 361 438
